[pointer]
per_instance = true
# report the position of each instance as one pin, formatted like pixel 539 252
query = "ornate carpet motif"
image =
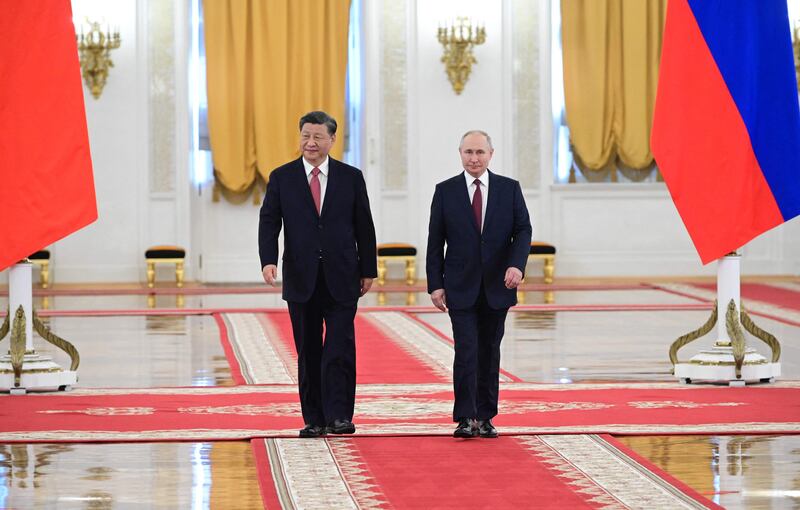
pixel 395 408
pixel 258 353
pixel 603 475
pixel 574 472
pixel 307 475
pixel 362 484
pixel 675 404
pixel 417 341
pixel 273 411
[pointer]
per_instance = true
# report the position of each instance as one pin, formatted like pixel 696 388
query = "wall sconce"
pixel 458 39
pixel 94 49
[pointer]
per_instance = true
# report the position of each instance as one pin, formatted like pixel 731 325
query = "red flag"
pixel 726 128
pixel 46 183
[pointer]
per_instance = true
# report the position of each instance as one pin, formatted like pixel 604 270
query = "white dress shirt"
pixel 323 178
pixel 484 192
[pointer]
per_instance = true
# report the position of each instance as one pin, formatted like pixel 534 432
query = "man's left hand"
pixel 513 277
pixel 366 283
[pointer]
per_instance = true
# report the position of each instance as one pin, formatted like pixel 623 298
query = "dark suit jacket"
pixel 472 258
pixel 343 236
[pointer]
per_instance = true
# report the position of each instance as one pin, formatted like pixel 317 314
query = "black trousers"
pixel 477 331
pixel 326 368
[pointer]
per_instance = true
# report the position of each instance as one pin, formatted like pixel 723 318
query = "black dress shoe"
pixel 486 429
pixel 466 428
pixel 341 427
pixel 312 431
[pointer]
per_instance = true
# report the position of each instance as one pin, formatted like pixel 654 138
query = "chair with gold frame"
pixel 403 252
pixel 547 253
pixel 42 259
pixel 164 255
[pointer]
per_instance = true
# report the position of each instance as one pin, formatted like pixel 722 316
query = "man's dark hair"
pixel 319 117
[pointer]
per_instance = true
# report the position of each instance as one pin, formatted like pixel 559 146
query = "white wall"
pixel 599 230
pixel 107 250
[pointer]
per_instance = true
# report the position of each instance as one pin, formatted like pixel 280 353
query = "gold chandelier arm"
pixel 762 335
pixel 4 327
pixel 737 336
pixel 692 336
pixel 18 345
pixel 44 332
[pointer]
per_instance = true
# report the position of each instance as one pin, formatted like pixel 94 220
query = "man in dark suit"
pixel 329 261
pixel 482 218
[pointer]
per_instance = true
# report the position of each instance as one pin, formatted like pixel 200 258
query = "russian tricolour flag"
pixel 726 132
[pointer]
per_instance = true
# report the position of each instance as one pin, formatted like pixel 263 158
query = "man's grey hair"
pixel 476 132
pixel 319 117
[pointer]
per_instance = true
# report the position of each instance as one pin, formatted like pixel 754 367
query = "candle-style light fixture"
pixel 94 48
pixel 458 39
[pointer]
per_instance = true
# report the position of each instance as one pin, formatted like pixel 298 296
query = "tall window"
pixel 353 105
pixel 565 169
pixel 202 167
pixel 202 171
pixel 563 155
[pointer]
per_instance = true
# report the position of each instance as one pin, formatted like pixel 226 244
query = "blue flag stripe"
pixel 751 44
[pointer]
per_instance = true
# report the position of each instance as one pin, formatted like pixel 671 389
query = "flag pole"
pixel 23 368
pixel 730 360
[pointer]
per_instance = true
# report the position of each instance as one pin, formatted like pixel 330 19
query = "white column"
pixel 728 287
pixel 20 292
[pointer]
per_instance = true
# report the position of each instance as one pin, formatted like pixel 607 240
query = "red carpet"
pixel 273 411
pixel 783 297
pixel 567 471
pixel 380 357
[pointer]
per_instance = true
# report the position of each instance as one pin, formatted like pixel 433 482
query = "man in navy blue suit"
pixel 329 261
pixel 483 220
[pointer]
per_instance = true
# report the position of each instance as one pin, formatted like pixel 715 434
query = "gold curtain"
pixel 268 62
pixel 611 54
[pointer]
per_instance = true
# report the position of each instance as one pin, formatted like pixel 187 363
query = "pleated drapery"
pixel 611 51
pixel 268 62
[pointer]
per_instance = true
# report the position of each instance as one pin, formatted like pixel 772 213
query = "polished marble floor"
pixel 540 346
pixel 753 472
pixel 167 476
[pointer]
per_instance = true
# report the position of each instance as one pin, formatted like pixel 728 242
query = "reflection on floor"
pixel 732 471
pixel 131 475
pixel 559 342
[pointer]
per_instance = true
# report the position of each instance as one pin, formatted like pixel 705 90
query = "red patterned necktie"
pixel 477 203
pixel 316 190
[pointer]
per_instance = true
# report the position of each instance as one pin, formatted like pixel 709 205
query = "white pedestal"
pixel 717 365
pixel 38 371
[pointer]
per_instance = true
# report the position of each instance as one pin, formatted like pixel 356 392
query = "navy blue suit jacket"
pixel 473 258
pixel 342 236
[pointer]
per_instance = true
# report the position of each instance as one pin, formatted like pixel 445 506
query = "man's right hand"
pixel 270 273
pixel 439 300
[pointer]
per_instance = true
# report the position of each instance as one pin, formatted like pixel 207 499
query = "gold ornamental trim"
pixel 762 335
pixel 33 370
pixel 18 345
pixel 692 336
pixel 5 326
pixel 729 363
pixel 49 336
pixel 736 335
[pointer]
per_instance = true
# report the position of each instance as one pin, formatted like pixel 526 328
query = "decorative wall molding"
pixel 394 21
pixel 161 50
pixel 635 230
pixel 526 94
